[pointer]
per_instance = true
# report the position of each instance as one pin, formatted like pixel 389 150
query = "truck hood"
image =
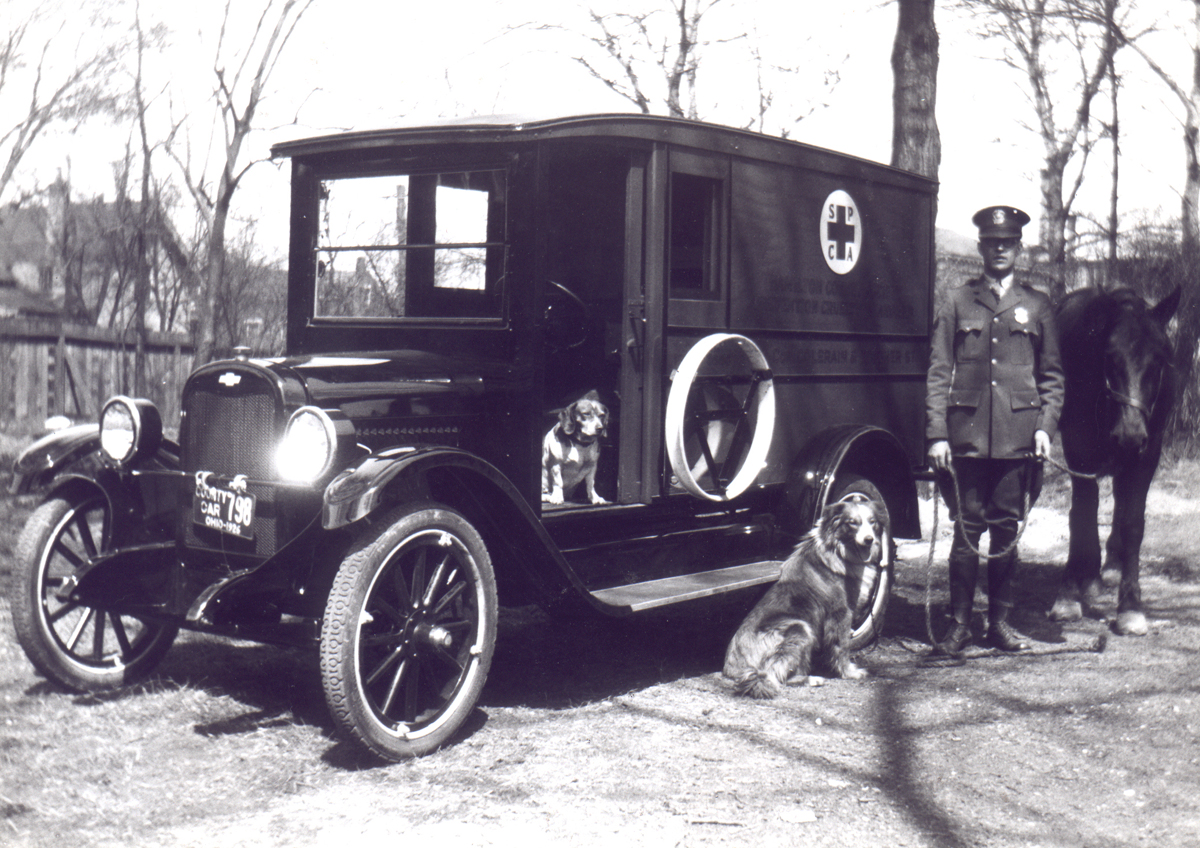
pixel 360 382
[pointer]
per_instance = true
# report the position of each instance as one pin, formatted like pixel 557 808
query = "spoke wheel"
pixel 720 417
pixel 80 647
pixel 409 632
pixel 868 587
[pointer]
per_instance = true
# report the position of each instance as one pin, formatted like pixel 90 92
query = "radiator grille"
pixel 230 433
pixel 230 427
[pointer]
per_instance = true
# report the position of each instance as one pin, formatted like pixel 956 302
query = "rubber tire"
pixel 130 648
pixel 676 418
pixel 867 615
pixel 359 599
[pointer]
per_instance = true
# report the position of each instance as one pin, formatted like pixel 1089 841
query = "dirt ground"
pixel 625 734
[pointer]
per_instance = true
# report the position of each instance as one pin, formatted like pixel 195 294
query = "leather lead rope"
pixel 958 519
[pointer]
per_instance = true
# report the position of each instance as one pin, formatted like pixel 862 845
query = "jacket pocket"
pixel 1025 340
pixel 964 397
pixel 969 339
pixel 1025 400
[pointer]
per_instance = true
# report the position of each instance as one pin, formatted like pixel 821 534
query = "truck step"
pixel 686 587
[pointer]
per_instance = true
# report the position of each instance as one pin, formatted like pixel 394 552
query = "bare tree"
pixel 241 78
pixel 1188 315
pixel 1187 92
pixel 46 80
pixel 149 209
pixel 1036 32
pixel 654 59
pixel 630 44
pixel 916 142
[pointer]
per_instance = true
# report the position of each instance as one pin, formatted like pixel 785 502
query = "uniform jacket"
pixel 995 372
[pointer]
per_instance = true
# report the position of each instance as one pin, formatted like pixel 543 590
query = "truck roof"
pixel 632 127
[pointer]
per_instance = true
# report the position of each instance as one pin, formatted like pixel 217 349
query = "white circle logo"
pixel 841 232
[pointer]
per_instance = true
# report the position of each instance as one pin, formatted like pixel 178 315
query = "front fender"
pixel 140 501
pixel 50 456
pixel 381 477
pixel 488 499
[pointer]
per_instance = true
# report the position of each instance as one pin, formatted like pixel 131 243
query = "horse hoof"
pixel 1064 610
pixel 1111 577
pixel 1132 624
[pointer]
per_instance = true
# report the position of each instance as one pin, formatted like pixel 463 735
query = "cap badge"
pixel 1021 314
pixel 998 216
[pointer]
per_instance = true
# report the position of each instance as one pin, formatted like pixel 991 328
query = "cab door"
pixel 682 292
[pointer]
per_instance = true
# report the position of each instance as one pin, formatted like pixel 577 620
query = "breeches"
pixel 992 495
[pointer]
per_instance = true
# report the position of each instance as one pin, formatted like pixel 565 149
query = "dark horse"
pixel 1119 392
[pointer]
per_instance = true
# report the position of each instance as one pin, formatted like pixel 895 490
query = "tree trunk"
pixel 1052 233
pixel 1188 314
pixel 916 142
pixel 1191 136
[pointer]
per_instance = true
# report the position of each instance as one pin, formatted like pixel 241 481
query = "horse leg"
pixel 1129 527
pixel 1114 548
pixel 1081 577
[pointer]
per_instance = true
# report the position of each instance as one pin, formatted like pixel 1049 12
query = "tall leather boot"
pixel 958 634
pixel 1001 634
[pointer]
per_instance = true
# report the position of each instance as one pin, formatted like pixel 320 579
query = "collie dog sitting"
pixel 806 611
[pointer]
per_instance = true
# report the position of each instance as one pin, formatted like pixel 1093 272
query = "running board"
pixel 686 587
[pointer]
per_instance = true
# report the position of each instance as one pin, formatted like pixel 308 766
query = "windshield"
pixel 428 245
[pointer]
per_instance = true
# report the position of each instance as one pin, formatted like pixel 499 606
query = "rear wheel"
pixel 409 631
pixel 869 587
pixel 80 647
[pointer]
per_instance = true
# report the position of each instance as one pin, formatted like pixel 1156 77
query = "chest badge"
pixel 1021 314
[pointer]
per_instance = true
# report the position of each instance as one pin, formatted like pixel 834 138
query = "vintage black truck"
pixel 753 312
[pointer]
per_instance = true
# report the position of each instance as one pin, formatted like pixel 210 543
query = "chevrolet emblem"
pixel 230 379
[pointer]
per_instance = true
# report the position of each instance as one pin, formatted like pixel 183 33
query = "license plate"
pixel 223 508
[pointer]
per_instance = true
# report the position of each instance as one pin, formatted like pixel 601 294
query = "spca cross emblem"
pixel 841 232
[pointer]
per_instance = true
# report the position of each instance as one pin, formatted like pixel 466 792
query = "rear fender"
pixel 870 451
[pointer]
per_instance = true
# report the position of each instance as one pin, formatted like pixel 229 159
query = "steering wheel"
pixel 712 417
pixel 566 326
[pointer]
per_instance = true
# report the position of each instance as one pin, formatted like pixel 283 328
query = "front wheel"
pixel 79 647
pixel 409 631
pixel 869 587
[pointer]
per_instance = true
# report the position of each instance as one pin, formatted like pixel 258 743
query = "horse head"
pixel 1136 367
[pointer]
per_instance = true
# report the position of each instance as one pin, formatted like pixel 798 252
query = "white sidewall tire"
pixel 53 528
pixel 352 706
pixel 764 430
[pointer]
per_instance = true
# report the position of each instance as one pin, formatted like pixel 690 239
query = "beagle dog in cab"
pixel 571 450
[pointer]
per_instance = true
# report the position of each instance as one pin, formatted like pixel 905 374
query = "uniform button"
pixel 993 382
pixel 993 362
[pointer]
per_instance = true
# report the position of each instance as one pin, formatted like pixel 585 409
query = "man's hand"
pixel 1041 444
pixel 939 454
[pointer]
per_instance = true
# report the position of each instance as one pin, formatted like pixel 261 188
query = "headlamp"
pixel 130 429
pixel 309 445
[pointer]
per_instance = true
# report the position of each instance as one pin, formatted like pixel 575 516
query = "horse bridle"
pixel 1126 400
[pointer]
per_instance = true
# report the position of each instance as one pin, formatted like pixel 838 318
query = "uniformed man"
pixel 994 394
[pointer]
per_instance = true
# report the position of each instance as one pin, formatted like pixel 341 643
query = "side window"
pixel 411 246
pixel 697 235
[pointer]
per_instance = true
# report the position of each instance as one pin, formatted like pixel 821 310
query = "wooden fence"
pixel 49 368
